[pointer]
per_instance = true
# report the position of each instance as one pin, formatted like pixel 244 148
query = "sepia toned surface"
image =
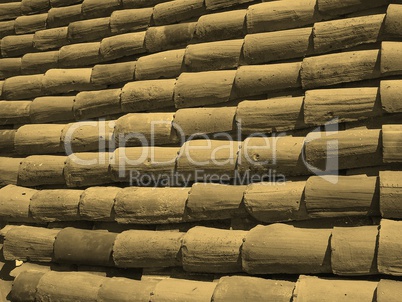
pixel 200 150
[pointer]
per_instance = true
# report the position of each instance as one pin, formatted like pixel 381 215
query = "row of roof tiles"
pixel 170 11
pixel 58 37
pixel 179 35
pixel 256 156
pixel 273 249
pixel 213 87
pixel 108 17
pixel 34 286
pixel 317 107
pixel 254 49
pixel 257 48
pixel 266 202
pixel 88 8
